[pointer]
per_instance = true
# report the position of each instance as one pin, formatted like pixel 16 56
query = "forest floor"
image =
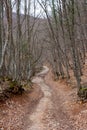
pixel 51 105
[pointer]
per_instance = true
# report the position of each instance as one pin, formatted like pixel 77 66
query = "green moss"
pixel 12 84
pixel 83 89
pixel 82 93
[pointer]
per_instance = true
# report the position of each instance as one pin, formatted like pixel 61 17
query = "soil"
pixel 14 111
pixel 51 105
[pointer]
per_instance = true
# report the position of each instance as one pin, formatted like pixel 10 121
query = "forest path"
pixel 57 109
pixel 45 103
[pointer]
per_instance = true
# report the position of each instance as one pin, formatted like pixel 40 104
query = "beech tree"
pixel 66 31
pixel 18 39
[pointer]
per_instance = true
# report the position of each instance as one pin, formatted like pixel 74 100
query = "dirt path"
pixel 57 109
pixel 45 103
pixel 51 105
pixel 49 113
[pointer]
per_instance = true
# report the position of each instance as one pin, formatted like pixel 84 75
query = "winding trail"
pixel 37 116
pixel 55 110
pixel 52 105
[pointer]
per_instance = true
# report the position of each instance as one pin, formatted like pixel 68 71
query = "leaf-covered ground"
pixel 51 105
pixel 14 111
